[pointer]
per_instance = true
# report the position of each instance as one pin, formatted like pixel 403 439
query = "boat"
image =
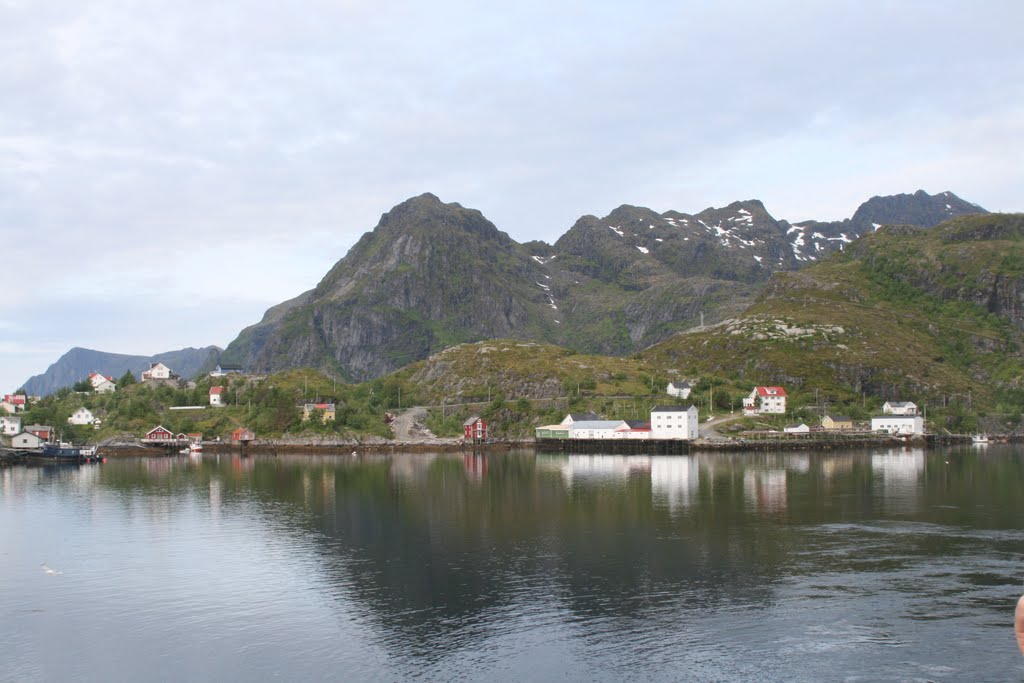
pixel 65 452
pixel 195 447
pixel 979 438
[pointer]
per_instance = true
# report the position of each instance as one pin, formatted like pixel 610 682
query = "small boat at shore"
pixel 981 439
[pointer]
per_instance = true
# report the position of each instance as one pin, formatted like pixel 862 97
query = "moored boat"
pixel 979 438
pixel 65 452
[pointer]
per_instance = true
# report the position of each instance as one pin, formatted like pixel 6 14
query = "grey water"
pixel 900 565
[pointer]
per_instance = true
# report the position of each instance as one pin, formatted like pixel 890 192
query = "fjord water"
pixel 885 565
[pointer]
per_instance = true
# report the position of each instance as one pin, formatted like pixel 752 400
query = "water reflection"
pixel 541 566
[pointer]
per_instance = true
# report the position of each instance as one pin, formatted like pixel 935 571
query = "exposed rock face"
pixel 432 275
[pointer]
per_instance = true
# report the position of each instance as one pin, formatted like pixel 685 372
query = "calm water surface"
pixel 866 566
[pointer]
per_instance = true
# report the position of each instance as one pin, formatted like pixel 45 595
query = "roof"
pixel 639 424
pixel 319 406
pixel 216 390
pixel 901 404
pixel 671 409
pixel 770 391
pixel 597 424
pixel 159 427
pixel 796 426
pixel 38 428
pixel 838 418
pixel 470 420
pixel 228 366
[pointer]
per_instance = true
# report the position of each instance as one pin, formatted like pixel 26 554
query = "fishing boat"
pixel 65 452
pixel 979 439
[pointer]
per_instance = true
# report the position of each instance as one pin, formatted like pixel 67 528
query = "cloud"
pixel 159 146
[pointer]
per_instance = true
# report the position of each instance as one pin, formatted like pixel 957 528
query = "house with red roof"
pixel 765 400
pixel 102 384
pixel 216 396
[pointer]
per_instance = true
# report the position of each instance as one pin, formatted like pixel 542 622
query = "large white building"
pixel 765 400
pixel 101 384
pixel 898 424
pixel 597 429
pixel 674 422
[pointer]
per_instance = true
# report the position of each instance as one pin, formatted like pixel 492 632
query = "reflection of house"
pixel 678 389
pixel 834 422
pixel 797 429
pixel 9 426
pixel 216 396
pixel 156 371
pixel 101 384
pixel 899 408
pixel 673 422
pixel 898 424
pixel 26 440
pixel 326 409
pixel 474 429
pixel 765 400
pixel 82 416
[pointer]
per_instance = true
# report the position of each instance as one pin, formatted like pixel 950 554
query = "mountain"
pixel 902 313
pixel 79 363
pixel 431 275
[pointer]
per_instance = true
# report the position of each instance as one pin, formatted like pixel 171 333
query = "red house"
pixel 243 434
pixel 159 433
pixel 474 429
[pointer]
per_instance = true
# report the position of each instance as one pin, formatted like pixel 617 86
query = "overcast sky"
pixel 169 170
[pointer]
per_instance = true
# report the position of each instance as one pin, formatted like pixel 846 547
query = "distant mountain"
pixel 432 275
pixel 79 363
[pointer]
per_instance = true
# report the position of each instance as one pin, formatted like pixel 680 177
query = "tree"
pixel 126 379
pixel 83 386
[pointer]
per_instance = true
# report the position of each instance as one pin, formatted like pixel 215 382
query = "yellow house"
pixel 326 408
pixel 833 422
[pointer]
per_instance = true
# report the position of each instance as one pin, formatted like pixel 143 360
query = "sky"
pixel 171 169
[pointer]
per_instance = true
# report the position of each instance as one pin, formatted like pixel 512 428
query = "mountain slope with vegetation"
pixel 935 316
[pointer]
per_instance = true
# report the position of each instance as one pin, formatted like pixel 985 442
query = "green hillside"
pixel 933 316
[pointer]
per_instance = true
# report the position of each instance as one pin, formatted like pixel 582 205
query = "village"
pixel 674 420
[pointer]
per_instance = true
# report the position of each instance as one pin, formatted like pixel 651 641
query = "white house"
pixel 9 426
pixel 216 396
pixel 899 408
pixel 13 403
pixel 678 389
pixel 26 440
pixel 156 371
pixel 634 429
pixel 797 429
pixel 221 370
pixel 674 422
pixel 82 416
pixel 596 429
pixel 898 424
pixel 765 400
pixel 101 384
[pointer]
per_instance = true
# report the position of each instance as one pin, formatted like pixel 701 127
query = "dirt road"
pixel 408 426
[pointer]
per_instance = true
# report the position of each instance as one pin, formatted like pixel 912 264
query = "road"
pixel 708 430
pixel 408 425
